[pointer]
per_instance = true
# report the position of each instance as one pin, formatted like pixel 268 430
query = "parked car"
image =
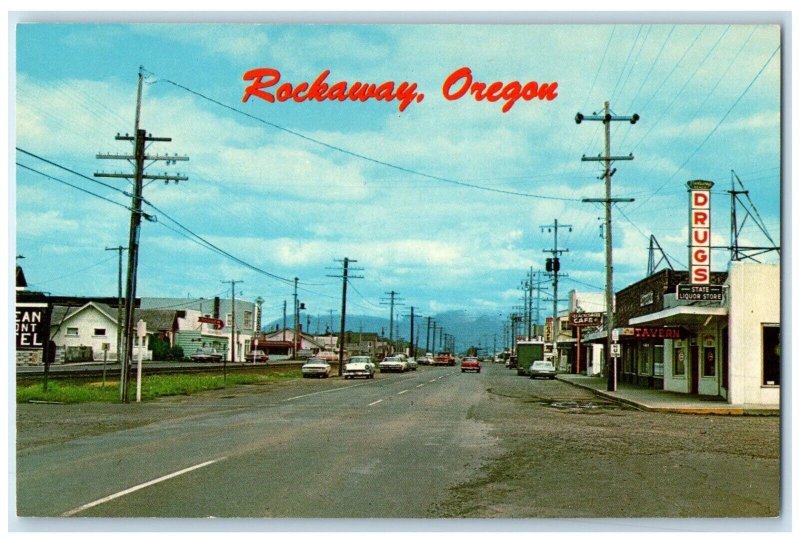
pixel 425 360
pixel 257 356
pixel 359 366
pixel 412 364
pixel 206 355
pixel 316 367
pixel 470 363
pixel 393 363
pixel 543 368
pixel 511 363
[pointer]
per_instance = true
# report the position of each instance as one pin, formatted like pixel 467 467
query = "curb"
pixel 730 410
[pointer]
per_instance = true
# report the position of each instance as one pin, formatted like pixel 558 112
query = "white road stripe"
pixel 373 403
pixel 432 381
pixel 138 487
pixel 421 385
pixel 402 392
pixel 322 392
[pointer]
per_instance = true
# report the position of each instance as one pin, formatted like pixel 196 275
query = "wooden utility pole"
pixel 233 327
pixel 119 304
pixel 139 140
pixel 342 324
pixel 606 118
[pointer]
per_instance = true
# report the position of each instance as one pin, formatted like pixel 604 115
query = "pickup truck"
pixel 444 359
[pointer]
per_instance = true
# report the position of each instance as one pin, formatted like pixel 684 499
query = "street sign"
pixel 218 324
pixel 615 350
pixel 702 293
pixel 615 334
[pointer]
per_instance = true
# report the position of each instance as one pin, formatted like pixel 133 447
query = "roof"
pixel 62 313
pixel 682 314
pixel 158 319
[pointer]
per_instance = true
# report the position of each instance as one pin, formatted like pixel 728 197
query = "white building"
pixel 732 349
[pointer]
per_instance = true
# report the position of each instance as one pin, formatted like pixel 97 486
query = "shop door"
pixel 695 369
pixel 725 358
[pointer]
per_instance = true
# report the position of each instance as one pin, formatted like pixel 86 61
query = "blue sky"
pixel 280 185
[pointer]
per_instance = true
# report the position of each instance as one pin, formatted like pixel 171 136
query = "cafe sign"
pixel 585 319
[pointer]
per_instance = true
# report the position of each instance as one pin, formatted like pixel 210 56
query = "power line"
pixel 106 185
pixel 358 155
pixel 713 130
pixel 73 186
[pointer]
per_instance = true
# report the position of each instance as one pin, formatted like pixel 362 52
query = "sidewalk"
pixel 649 399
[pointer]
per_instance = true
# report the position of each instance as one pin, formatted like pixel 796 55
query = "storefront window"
pixel 709 362
pixel 658 361
pixel 679 361
pixel 771 354
pixel 644 359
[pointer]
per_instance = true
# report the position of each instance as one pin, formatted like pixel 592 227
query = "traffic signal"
pixel 549 265
pixel 556 265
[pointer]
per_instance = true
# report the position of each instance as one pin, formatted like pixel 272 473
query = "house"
pixel 281 344
pixel 89 332
pixel 210 323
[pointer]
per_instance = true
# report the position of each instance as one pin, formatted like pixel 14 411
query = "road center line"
pixel 373 403
pixel 138 487
pixel 402 392
pixel 432 381
pixel 421 385
pixel 322 392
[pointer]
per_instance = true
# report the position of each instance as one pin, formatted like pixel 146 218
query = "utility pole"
pixel 606 118
pixel 345 276
pixel 233 327
pixel 393 300
pixel 139 140
pixel 428 336
pixel 284 320
pixel 553 265
pixel 119 300
pixel 433 338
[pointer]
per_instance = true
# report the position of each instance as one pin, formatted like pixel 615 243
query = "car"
pixel 470 363
pixel 543 368
pixel 316 367
pixel 359 366
pixel 257 356
pixel 426 360
pixel 512 362
pixel 393 363
pixel 412 364
pixel 206 355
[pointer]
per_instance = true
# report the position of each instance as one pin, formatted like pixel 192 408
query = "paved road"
pixel 426 444
pixel 388 447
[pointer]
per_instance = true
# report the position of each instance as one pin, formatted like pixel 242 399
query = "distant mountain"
pixel 468 330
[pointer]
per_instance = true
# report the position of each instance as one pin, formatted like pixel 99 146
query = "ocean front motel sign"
pixel 699 287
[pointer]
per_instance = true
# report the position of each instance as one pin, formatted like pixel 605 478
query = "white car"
pixel 543 368
pixel 359 366
pixel 393 363
pixel 412 364
pixel 316 367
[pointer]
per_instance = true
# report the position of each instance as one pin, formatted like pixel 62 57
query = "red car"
pixel 470 363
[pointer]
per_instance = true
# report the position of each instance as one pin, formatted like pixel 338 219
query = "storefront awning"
pixel 683 315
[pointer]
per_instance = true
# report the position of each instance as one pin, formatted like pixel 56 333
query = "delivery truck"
pixel 527 353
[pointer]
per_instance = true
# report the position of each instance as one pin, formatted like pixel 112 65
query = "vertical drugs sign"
pixel 699 231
